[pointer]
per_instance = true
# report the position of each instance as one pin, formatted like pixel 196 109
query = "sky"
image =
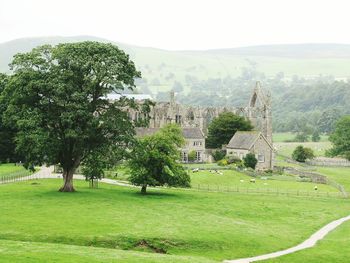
pixel 180 24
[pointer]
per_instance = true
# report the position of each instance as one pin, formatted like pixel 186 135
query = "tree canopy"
pixel 222 128
pixel 340 138
pixel 154 160
pixel 7 132
pixel 58 101
pixel 302 153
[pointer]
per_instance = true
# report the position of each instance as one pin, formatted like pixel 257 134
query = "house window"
pixel 261 158
pixel 178 119
pixel 198 156
pixel 197 143
pixel 184 157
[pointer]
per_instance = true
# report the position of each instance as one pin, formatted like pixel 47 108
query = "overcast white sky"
pixel 181 24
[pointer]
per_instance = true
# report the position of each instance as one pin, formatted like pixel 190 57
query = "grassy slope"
pixel 334 248
pixel 10 168
pixel 33 252
pixel 285 136
pixel 233 179
pixel 156 63
pixel 287 148
pixel 212 225
pixel 338 174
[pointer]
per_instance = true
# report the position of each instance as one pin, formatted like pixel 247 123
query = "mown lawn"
pixel 177 222
pixel 335 247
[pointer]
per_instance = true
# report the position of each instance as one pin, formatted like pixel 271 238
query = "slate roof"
pixel 142 132
pixel 188 133
pixel 192 133
pixel 243 140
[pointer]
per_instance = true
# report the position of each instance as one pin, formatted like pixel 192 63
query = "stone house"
pixel 244 142
pixel 194 141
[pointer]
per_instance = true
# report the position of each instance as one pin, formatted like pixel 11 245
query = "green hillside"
pixel 161 68
pixel 306 81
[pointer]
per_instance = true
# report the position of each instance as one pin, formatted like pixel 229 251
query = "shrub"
pixel 316 136
pixel 222 162
pixel 218 155
pixel 233 159
pixel 192 156
pixel 301 153
pixel 301 137
pixel 250 161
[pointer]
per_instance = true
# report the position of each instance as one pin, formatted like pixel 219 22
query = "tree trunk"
pixel 67 181
pixel 143 189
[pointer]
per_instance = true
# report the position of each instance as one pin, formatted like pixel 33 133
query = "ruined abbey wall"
pixel 258 111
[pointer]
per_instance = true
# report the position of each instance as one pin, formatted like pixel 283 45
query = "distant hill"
pixel 225 77
pixel 162 68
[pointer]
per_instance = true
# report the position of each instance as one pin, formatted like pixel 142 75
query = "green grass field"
pixel 333 248
pixel 288 136
pixel 338 174
pixel 215 226
pixel 10 168
pixel 233 179
pixel 287 148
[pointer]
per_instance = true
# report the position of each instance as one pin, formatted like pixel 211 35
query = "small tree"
pixel 218 155
pixel 192 155
pixel 301 137
pixel 154 160
pixel 340 138
pixel 301 153
pixel 222 128
pixel 316 136
pixel 250 161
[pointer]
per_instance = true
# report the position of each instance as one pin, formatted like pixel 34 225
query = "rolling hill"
pixel 161 68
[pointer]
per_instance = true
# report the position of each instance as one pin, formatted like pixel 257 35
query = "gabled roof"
pixel 192 133
pixel 188 133
pixel 245 140
pixel 142 132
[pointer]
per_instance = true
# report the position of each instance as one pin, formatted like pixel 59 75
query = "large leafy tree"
pixel 222 128
pixel 340 138
pixel 154 160
pixel 7 132
pixel 58 103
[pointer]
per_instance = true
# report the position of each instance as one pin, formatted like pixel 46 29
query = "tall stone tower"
pixel 259 111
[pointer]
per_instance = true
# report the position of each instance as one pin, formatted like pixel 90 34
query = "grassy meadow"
pixel 284 146
pixel 10 168
pixel 333 248
pixel 215 226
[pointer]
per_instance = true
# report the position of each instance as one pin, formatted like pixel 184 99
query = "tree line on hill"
pixel 299 105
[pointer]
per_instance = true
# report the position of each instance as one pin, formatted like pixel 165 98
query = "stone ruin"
pixel 258 111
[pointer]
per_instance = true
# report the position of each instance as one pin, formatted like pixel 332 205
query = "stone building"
pixel 258 111
pixel 244 142
pixel 194 141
